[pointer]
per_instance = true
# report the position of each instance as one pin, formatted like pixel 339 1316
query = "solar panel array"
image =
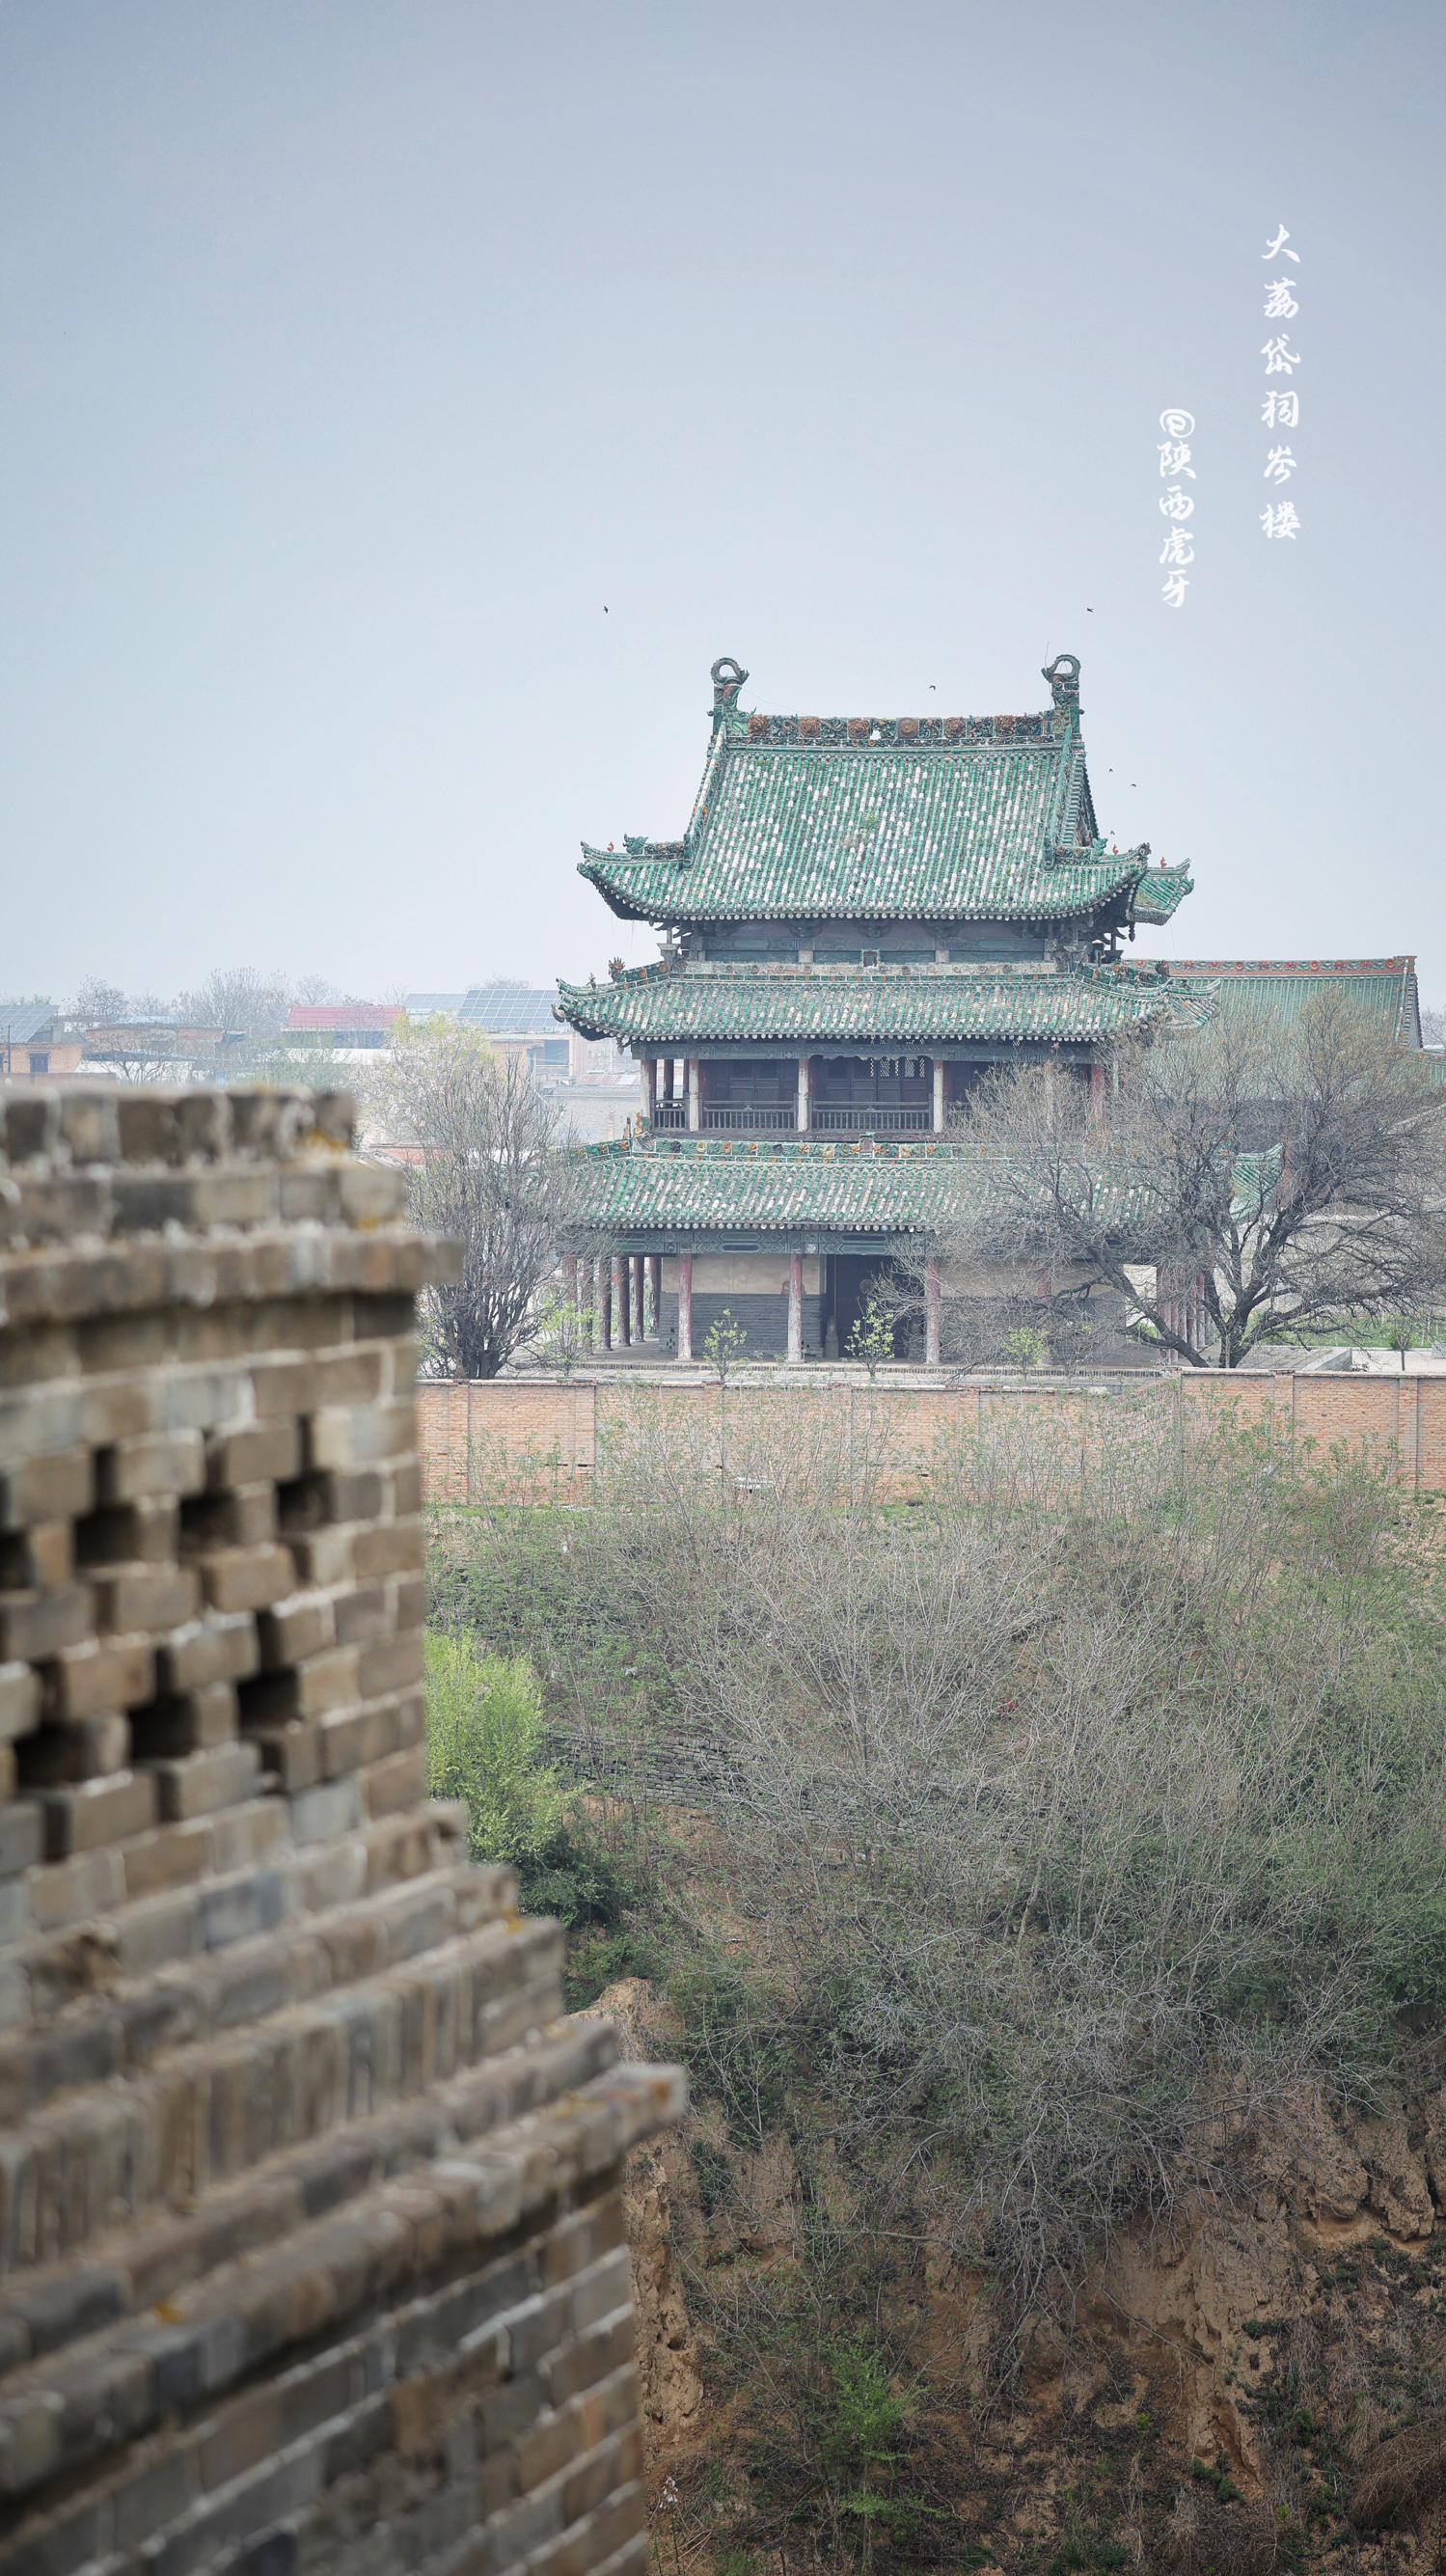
pixel 508 1009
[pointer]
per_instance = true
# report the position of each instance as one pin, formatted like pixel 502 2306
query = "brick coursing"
pixel 537 1439
pixel 311 2249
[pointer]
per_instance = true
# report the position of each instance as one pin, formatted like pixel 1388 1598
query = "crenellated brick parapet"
pixel 311 2251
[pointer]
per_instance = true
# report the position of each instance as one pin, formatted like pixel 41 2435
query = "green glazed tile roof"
pixel 679 1006
pixel 1270 994
pixel 733 1186
pixel 739 1186
pixel 1160 893
pixel 929 818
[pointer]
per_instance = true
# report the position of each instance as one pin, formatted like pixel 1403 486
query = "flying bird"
pixel 1089 612
pixel 605 608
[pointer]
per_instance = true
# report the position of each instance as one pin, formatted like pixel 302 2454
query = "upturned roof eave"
pixel 601 869
pixel 644 1008
pixel 1158 895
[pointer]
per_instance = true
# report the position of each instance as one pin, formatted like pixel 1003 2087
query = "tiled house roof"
pixel 1269 994
pixel 927 818
pixel 679 1006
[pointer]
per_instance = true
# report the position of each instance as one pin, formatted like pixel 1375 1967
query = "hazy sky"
pixel 357 358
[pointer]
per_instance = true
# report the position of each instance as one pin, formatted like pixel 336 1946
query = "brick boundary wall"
pixel 312 2254
pixel 545 1439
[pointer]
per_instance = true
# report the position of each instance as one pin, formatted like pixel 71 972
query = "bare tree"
pixel 1049 1823
pixel 1266 1185
pixel 240 1000
pixel 98 1003
pixel 487 1160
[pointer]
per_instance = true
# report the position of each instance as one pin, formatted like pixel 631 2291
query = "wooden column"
pixel 640 1321
pixel 669 1074
pixel 569 1279
pixel 1097 1092
pixel 805 1104
pixel 620 1301
pixel 655 1296
pixel 931 1314
pixel 650 1080
pixel 795 1306
pixel 695 1094
pixel 685 1305
pixel 938 1118
pixel 602 1306
pixel 585 1304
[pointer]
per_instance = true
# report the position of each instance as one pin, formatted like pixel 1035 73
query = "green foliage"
pixel 598 1956
pixel 722 1344
pixel 872 1337
pixel 1025 1346
pixel 864 2442
pixel 1219 2478
pixel 733 2047
pixel 558 1338
pixel 485 1745
pixel 713 2173
pixel 868 2417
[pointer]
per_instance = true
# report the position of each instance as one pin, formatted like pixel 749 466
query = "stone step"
pixel 132 2270
pixel 214 2108
pixel 74 2408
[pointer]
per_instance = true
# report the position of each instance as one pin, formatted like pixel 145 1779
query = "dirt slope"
pixel 1226 2392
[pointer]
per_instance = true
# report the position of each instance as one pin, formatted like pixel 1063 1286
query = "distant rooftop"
pixel 334 1017
pixel 503 1009
pixel 20 1021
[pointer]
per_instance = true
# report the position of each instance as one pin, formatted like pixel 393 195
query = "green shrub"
pixel 485 1746
pixel 597 1957
pixel 733 2049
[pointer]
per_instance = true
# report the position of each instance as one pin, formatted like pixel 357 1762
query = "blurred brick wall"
pixel 311 2247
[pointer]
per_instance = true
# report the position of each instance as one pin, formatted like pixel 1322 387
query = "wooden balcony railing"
pixel 856 1120
pixel 769 1118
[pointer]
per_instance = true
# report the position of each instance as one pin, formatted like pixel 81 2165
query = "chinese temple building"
pixel 863 916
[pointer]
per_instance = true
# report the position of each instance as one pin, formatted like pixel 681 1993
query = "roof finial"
pixel 728 679
pixel 1063 677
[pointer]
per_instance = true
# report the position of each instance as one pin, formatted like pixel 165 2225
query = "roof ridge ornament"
pixel 1063 677
pixel 728 677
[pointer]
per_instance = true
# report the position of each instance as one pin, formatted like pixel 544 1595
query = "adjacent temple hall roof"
pixel 1271 992
pixel 921 818
pixel 681 1005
